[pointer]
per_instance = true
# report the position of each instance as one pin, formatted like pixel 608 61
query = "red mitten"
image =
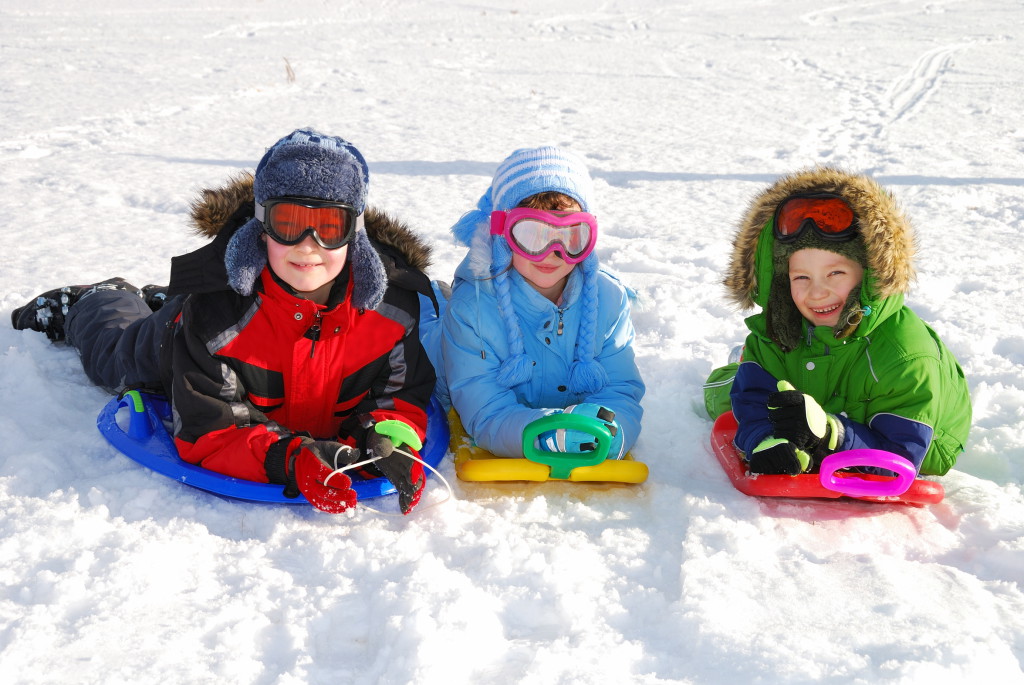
pixel 311 468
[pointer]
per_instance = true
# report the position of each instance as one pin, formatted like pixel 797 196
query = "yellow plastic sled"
pixel 475 464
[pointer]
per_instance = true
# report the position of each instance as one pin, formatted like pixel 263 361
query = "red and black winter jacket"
pixel 252 374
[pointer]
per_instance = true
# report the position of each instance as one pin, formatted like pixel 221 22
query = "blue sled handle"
pixel 139 426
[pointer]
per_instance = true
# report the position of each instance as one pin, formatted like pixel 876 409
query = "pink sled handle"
pixel 861 487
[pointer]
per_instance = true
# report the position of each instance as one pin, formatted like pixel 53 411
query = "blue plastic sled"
pixel 147 442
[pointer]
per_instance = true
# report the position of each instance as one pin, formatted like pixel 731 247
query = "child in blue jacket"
pixel 533 326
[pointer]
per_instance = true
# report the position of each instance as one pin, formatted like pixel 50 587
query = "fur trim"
pixel 387 230
pixel 213 208
pixel 885 230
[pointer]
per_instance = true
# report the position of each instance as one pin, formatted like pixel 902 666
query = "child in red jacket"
pixel 284 342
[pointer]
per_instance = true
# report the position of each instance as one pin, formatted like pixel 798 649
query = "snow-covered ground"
pixel 115 113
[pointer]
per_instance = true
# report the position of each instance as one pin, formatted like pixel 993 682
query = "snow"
pixel 115 113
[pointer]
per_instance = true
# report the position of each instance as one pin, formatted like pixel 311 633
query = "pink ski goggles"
pixel 535 233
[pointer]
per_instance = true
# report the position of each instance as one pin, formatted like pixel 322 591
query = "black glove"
pixel 801 420
pixel 404 473
pixel 778 456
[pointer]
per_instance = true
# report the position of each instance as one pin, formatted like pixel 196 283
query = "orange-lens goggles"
pixel 289 220
pixel 829 215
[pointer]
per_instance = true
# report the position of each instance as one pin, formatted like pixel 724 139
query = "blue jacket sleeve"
pixel 749 395
pixel 889 432
pixel 430 338
pixel 490 413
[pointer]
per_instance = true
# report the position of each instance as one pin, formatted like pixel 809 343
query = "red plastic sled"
pixel 807 485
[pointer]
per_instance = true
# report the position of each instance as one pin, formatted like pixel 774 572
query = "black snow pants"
pixel 119 338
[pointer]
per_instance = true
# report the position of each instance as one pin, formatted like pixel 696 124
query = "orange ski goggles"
pixel 288 220
pixel 828 215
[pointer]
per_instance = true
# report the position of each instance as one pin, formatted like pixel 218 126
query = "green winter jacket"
pixel 889 376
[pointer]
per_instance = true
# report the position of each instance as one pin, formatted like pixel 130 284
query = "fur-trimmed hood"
pixel 234 258
pixel 885 230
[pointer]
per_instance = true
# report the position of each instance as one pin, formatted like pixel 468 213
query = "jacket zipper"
pixel 561 324
pixel 314 334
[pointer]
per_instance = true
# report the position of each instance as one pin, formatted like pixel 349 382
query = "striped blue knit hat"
pixel 309 164
pixel 524 173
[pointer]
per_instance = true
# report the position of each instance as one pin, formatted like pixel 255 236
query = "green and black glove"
pixel 778 456
pixel 798 418
pixel 404 473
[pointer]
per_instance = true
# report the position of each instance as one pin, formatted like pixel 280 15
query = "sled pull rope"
pixel 427 507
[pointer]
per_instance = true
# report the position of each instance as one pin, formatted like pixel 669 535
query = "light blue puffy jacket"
pixel 473 343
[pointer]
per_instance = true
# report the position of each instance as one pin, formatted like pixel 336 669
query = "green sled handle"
pixel 400 433
pixel 562 463
pixel 139 426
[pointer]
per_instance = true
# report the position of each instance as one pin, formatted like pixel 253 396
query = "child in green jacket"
pixel 834 360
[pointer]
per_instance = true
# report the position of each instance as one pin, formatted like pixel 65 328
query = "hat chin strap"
pixel 851 316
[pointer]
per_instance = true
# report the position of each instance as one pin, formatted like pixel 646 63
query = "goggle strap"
pixel 498 222
pixel 261 211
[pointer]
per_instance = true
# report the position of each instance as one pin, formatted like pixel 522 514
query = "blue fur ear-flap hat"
pixel 311 165
pixel 524 173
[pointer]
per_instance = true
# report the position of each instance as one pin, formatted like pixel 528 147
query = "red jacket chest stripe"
pixel 293 357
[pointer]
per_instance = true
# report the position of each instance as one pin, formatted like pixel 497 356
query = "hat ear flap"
pixel 784 322
pixel 245 257
pixel 370 278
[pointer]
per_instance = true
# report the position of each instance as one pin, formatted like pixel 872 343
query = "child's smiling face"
pixel 548 276
pixel 307 267
pixel 819 283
